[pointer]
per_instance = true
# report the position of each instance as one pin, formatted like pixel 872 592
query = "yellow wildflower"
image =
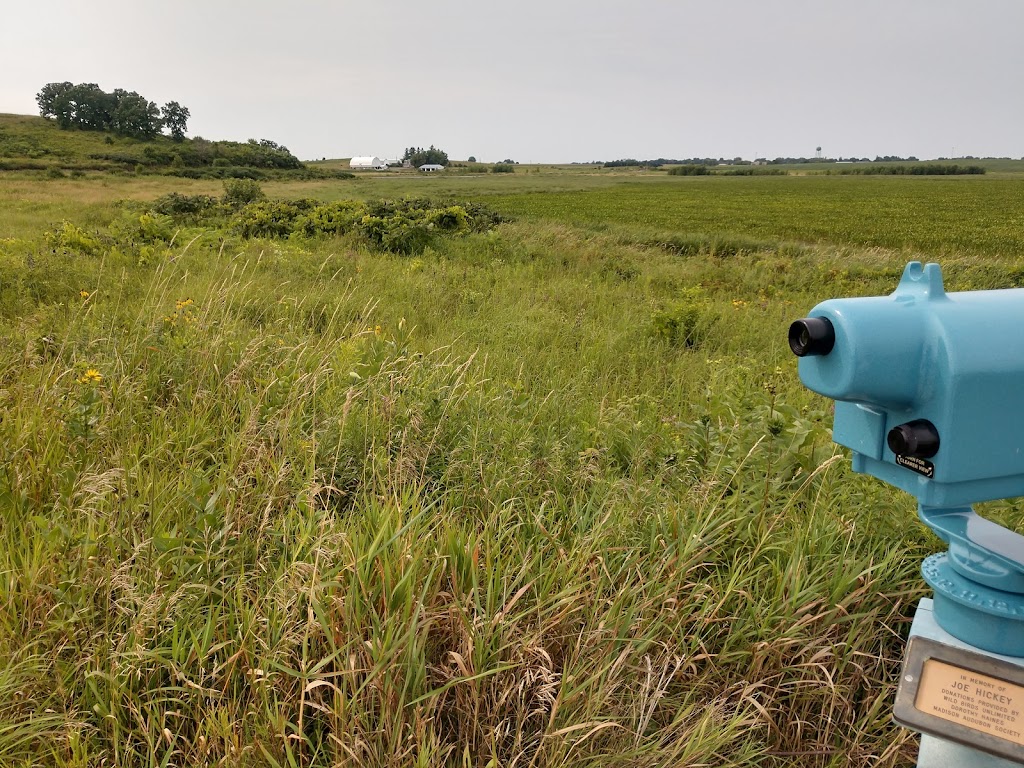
pixel 84 294
pixel 91 376
pixel 377 331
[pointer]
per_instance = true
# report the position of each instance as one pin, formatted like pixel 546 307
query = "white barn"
pixel 368 163
pixel 431 168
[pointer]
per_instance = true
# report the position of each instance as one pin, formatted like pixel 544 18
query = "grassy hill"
pixel 30 143
pixel 34 143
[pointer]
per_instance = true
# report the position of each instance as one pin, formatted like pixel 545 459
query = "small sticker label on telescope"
pixel 921 466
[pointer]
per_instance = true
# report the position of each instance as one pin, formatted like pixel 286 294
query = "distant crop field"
pixel 934 216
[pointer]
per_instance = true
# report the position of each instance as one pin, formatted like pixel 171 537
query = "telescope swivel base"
pixel 982 616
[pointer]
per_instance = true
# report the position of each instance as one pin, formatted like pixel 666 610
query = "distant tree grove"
pixel 418 156
pixel 88 107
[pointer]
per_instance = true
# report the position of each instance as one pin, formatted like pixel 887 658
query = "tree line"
pixel 660 161
pixel 88 107
pixel 418 156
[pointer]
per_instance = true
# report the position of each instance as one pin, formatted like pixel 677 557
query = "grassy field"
pixel 935 216
pixel 543 492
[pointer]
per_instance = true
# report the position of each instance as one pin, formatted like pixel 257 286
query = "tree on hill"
pixel 418 156
pixel 175 119
pixel 90 106
pixel 132 115
pixel 54 102
pixel 127 113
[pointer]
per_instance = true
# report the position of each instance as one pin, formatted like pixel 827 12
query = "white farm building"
pixel 431 168
pixel 368 163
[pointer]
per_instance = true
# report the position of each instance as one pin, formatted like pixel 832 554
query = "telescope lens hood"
pixel 811 336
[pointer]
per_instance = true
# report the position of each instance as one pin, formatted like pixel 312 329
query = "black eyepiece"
pixel 918 438
pixel 811 336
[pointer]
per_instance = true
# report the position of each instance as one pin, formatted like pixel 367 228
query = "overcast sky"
pixel 549 80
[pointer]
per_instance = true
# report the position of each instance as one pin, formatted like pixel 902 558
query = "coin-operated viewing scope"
pixel 929 391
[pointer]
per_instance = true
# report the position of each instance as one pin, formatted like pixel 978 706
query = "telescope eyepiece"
pixel 811 336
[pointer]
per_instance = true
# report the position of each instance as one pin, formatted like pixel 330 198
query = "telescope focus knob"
pixel 917 438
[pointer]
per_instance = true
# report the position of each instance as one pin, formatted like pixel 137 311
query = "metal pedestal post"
pixel 939 753
pixel 936 751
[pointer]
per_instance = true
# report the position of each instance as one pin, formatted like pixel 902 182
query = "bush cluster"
pixel 923 169
pixel 689 170
pixel 754 171
pixel 200 153
pixel 229 172
pixel 400 226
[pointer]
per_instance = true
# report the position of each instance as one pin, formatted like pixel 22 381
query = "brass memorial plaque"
pixel 973 700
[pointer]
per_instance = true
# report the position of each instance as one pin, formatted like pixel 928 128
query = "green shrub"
pixel 147 228
pixel 242 191
pixel 689 170
pixel 451 219
pixel 70 237
pixel 330 219
pixel 175 204
pixel 406 236
pixel 313 173
pixel 400 233
pixel 686 322
pixel 754 172
pixel 503 168
pixel 55 173
pixel 267 218
pixel 121 158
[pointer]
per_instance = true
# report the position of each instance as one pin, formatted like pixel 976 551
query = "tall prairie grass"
pixel 302 502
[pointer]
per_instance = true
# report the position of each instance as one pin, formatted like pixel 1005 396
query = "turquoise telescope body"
pixel 929 391
pixel 953 360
